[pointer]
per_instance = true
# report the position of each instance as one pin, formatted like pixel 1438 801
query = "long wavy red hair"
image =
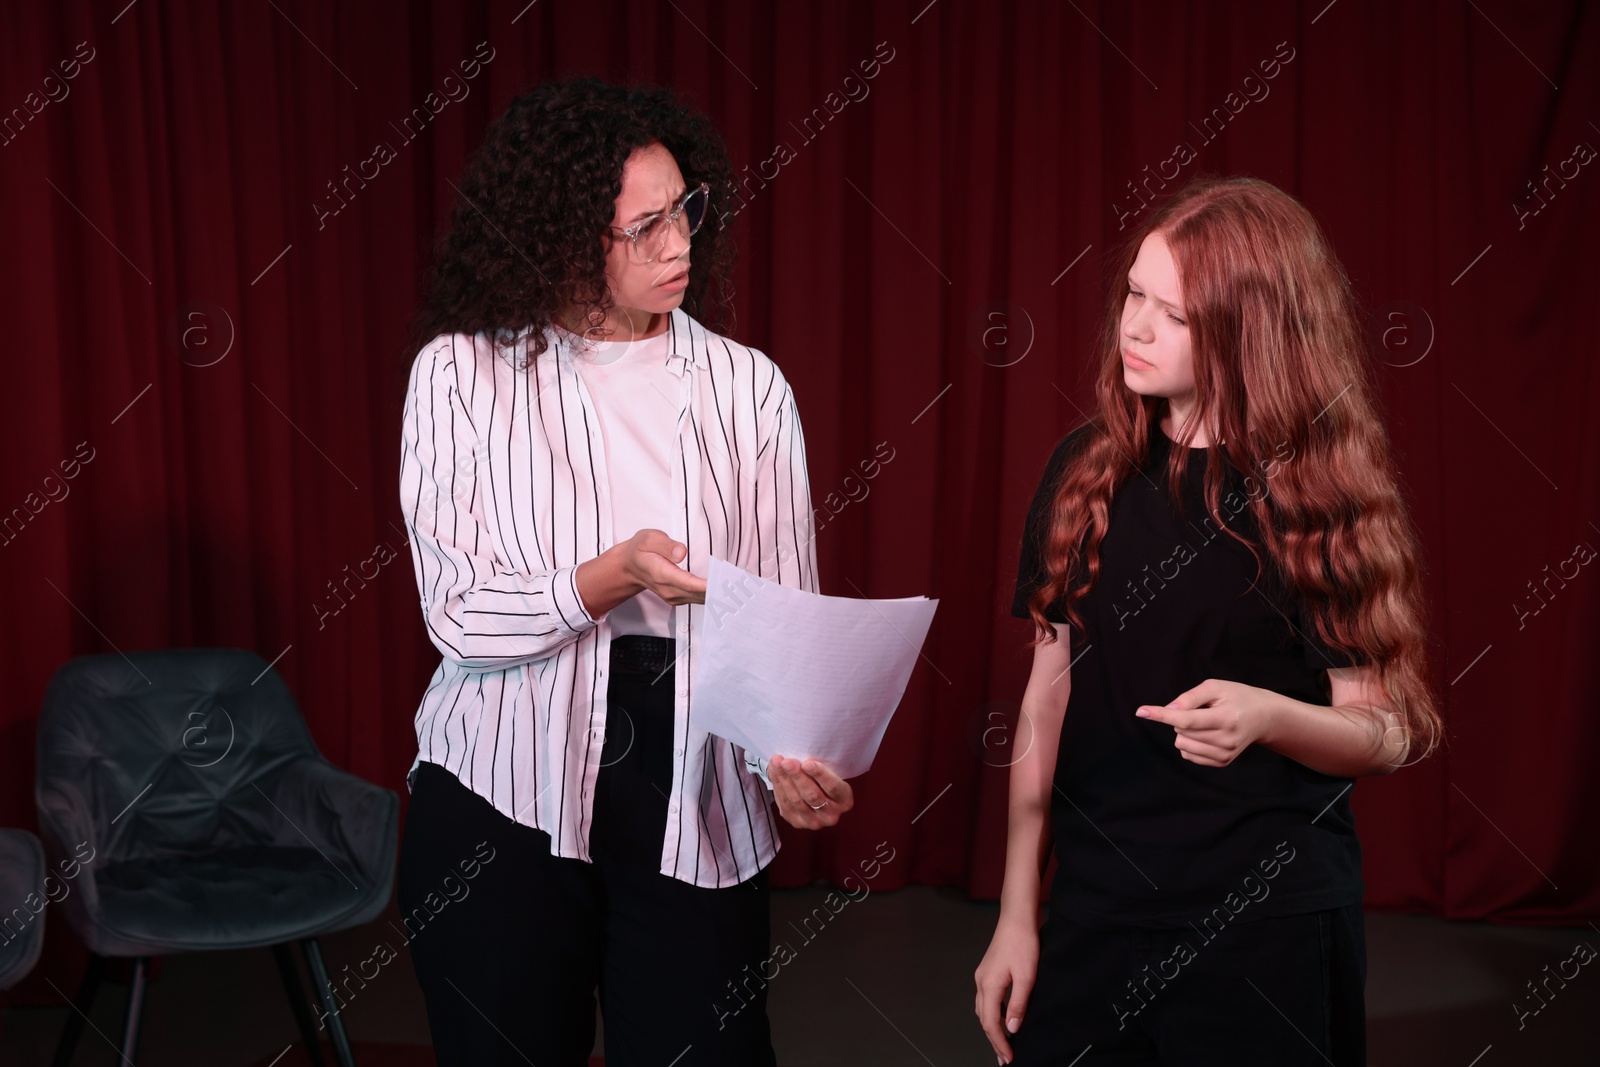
pixel 1282 376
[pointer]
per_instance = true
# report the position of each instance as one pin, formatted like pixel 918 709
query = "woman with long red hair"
pixel 1230 628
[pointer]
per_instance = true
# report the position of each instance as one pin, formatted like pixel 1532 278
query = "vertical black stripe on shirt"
pixel 522 682
pixel 431 474
pixel 477 732
pixel 427 730
pixel 728 535
pixel 593 636
pixel 444 727
pixel 736 453
pixel 777 479
pixel 423 543
pixel 750 823
pixel 707 748
pixel 688 553
pixel 566 447
pixel 489 446
pixel 702 457
pixel 703 447
pixel 770 380
pixel 755 492
pixel 537 403
pixel 414 398
pixel 499 721
pixel 797 452
pixel 534 387
pixel 713 787
pixel 453 395
pixel 503 455
pixel 679 796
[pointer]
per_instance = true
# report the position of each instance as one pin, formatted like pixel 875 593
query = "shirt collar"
pixel 686 343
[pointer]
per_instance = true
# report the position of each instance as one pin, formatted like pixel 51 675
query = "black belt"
pixel 633 654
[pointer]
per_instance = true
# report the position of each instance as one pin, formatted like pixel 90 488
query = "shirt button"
pixel 673 808
pixel 678 752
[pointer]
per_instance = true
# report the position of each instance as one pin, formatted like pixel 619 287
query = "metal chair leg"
pixel 130 1024
pixel 330 1004
pixel 297 1001
pixel 82 1005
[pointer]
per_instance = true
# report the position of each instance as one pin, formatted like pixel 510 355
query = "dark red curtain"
pixel 215 216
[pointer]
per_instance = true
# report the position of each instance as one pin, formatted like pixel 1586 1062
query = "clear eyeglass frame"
pixel 648 236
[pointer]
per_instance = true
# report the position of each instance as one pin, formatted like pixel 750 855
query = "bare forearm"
pixel 603 584
pixel 1032 781
pixel 1027 850
pixel 1346 742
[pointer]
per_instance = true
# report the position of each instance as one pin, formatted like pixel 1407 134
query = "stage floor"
pixel 887 983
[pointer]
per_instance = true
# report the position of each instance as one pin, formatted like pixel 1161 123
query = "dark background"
pixel 927 269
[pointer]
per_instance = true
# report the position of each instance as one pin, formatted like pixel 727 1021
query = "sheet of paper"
pixel 779 670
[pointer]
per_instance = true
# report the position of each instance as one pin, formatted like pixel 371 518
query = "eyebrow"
pixel 659 210
pixel 1147 292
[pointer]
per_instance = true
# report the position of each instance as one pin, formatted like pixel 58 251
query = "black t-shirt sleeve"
pixel 1030 562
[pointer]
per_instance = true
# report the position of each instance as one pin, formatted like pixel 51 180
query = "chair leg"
pixel 297 1001
pixel 82 1005
pixel 330 1004
pixel 130 1025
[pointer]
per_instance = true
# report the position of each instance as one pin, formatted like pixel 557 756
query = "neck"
pixel 621 323
pixel 1177 418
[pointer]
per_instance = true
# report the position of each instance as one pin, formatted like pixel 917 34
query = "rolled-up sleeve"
pixel 479 611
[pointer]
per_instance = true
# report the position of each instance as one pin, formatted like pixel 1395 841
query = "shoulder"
pixel 747 370
pixel 1076 439
pixel 454 359
pixel 1068 448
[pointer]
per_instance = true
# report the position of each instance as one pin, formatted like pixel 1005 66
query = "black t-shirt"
pixel 1143 836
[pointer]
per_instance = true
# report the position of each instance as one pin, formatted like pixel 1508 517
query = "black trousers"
pixel 510 970
pixel 1285 991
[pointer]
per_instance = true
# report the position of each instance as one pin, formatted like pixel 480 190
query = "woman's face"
pixel 650 183
pixel 1155 336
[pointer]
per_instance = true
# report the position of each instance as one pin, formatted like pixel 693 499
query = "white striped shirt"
pixel 504 488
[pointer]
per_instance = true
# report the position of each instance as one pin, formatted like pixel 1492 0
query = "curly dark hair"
pixel 529 233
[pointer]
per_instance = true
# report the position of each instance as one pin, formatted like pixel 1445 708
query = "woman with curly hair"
pixel 577 444
pixel 1230 628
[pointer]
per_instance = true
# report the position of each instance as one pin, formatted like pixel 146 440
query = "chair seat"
pixel 228 898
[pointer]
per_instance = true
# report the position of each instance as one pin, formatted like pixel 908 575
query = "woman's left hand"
pixel 810 796
pixel 1216 720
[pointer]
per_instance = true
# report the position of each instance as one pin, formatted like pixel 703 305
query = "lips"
pixel 675 279
pixel 1135 362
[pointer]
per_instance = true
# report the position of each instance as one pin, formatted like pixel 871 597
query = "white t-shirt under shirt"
pixel 640 400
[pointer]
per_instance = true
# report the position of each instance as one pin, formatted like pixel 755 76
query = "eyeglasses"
pixel 648 236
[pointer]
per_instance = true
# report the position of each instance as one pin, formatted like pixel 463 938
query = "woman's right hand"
pixel 647 560
pixel 1012 962
pixel 650 561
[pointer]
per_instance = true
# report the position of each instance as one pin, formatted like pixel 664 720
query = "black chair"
pixel 24 896
pixel 209 820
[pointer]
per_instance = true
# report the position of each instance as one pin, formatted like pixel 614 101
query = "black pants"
pixel 1284 991
pixel 510 969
